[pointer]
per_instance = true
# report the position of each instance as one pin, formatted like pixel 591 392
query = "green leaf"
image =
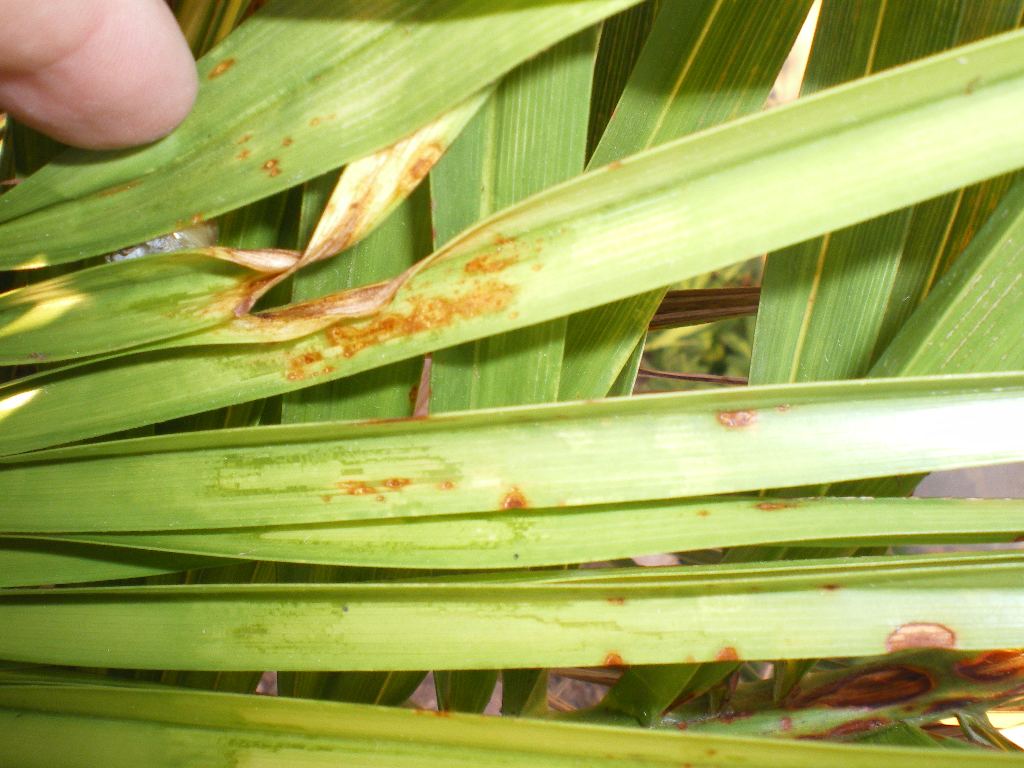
pixel 547 537
pixel 25 562
pixel 704 63
pixel 529 136
pixel 47 719
pixel 693 205
pixel 859 284
pixel 840 607
pixel 679 445
pixel 324 83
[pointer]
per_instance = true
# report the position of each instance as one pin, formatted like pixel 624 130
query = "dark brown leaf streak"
pixel 869 689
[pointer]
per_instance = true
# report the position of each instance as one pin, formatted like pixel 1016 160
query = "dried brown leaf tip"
pixel 920 635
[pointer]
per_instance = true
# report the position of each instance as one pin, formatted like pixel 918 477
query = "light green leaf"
pixel 631 450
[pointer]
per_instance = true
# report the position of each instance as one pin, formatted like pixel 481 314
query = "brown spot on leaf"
pixel 514 499
pixel 197 218
pixel 488 263
pixel 869 688
pixel 271 167
pixel 728 653
pixel 426 157
pixel 786 724
pixel 737 419
pixel 856 726
pixel 244 138
pixel 287 141
pixel 702 513
pixel 244 154
pixel 920 635
pixel 773 506
pixel 617 600
pixel 613 659
pixel 356 488
pixel 783 408
pixel 426 314
pixel 947 705
pixel 220 68
pixel 992 665
pixel 326 497
pixel 119 188
pixel 379 498
pixel 396 483
pixel 446 485
pixel 972 86
pixel 830 587
pixel 614 165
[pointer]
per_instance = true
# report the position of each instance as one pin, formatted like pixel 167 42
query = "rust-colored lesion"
pixel 245 137
pixel 613 659
pixel 737 419
pixel 514 499
pixel 617 600
pixel 287 141
pixel 488 263
pixel 426 158
pixel 774 506
pixel 244 154
pixel 356 488
pixel 728 653
pixel 111 191
pixel 220 68
pixel 446 485
pixel 299 366
pixel 920 635
pixel 397 483
pixel 869 689
pixel 991 666
pixel 272 167
pixel 425 314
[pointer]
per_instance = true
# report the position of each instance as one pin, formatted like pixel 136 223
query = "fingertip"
pixel 127 76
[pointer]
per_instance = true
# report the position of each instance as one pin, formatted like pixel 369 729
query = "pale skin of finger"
pixel 98 74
